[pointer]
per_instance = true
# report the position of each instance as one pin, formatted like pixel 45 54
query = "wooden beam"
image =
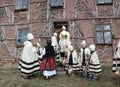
pixel 8 39
pixel 72 19
pixel 32 2
pixel 7 5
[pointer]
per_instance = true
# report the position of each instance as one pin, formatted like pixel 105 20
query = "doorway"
pixel 58 27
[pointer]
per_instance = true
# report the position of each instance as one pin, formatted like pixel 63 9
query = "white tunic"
pixel 74 56
pixel 94 64
pixel 54 41
pixel 116 60
pixel 64 41
pixel 55 45
pixel 75 59
pixel 63 45
pixel 87 53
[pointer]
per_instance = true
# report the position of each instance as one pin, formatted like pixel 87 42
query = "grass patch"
pixel 10 77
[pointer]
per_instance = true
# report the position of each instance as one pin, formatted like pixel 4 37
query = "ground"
pixel 10 77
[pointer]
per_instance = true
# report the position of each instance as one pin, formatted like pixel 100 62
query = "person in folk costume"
pixel 94 63
pixel 116 61
pixel 64 42
pixel 72 61
pixel 55 45
pixel 84 55
pixel 66 34
pixel 39 49
pixel 29 63
pixel 48 64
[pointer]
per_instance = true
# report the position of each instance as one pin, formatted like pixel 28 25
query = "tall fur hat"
pixel 30 36
pixel 92 47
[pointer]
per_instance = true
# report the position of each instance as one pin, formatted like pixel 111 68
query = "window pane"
pixel 53 3
pixel 108 1
pixel 60 2
pixel 99 37
pixel 100 1
pixel 22 35
pixel 18 4
pixel 25 32
pixel 100 27
pixel 107 27
pixel 107 36
pixel 24 4
pixel 19 36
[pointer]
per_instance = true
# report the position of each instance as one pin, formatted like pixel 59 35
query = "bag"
pixel 70 70
pixel 47 66
pixel 64 61
pixel 117 73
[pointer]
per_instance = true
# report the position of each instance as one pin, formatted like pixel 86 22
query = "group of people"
pixel 84 61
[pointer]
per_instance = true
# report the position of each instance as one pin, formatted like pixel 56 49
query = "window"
pixel 56 3
pixel 105 1
pixel 21 4
pixel 103 34
pixel 22 36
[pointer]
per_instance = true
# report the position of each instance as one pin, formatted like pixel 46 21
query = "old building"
pixel 97 21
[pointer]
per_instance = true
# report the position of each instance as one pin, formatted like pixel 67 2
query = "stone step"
pixel 60 70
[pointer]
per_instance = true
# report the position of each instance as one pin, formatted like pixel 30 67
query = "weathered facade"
pixel 97 21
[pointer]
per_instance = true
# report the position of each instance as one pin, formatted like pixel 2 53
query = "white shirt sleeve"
pixel 43 53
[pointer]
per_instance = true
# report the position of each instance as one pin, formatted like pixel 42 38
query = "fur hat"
pixel 55 34
pixel 83 42
pixel 92 47
pixel 38 44
pixel 30 36
pixel 70 47
pixel 63 27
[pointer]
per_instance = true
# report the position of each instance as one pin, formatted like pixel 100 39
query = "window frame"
pixel 103 32
pixel 18 44
pixel 57 5
pixel 21 6
pixel 104 3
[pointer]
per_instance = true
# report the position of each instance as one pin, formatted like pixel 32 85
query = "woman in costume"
pixel 64 42
pixel 84 56
pixel 72 61
pixel 56 47
pixel 94 63
pixel 116 60
pixel 48 64
pixel 29 63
